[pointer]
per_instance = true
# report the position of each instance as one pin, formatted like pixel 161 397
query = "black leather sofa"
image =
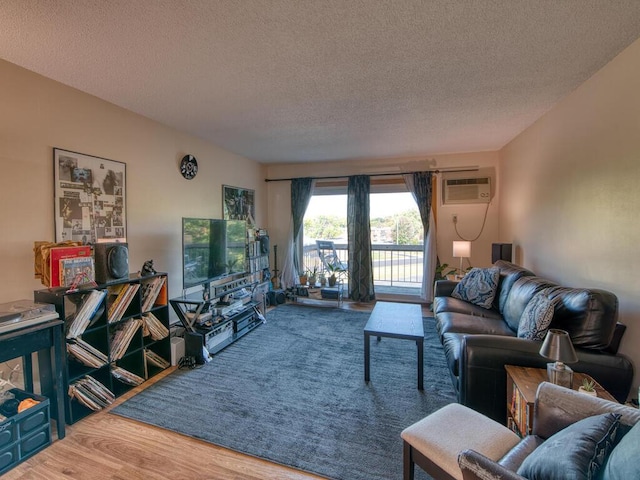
pixel 479 342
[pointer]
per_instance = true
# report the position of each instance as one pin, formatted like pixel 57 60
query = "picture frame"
pixel 238 204
pixel 89 198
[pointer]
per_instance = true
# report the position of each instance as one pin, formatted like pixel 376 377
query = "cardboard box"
pixel 177 350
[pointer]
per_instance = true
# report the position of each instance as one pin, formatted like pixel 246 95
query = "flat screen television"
pixel 212 249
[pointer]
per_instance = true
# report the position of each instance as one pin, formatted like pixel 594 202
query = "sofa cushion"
pixel 461 323
pixel 623 463
pixel 479 286
pixel 589 315
pixel 509 273
pixel 514 458
pixel 455 305
pixel 576 452
pixel 520 295
pixel 537 316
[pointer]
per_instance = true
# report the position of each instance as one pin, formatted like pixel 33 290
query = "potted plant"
pixel 303 278
pixel 588 387
pixel 313 276
pixel 336 271
pixel 323 279
pixel 443 271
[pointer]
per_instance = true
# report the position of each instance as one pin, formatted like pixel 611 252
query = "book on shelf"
pixel 150 292
pixel 91 393
pixel 84 314
pixel 71 268
pixel 155 359
pixel 254 248
pixel 123 294
pixel 122 337
pixel 258 263
pixel 153 327
pixel 125 376
pixel 85 353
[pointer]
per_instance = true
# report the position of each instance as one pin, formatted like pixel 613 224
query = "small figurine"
pixel 147 269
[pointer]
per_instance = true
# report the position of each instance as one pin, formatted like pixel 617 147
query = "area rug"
pixel 293 392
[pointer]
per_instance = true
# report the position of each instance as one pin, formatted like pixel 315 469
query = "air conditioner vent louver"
pixel 467 190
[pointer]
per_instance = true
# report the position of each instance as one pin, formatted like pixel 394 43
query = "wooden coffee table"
pixel 395 320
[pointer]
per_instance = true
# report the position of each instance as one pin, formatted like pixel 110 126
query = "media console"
pixel 235 307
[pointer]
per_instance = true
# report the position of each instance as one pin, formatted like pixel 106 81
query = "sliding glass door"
pixel 396 236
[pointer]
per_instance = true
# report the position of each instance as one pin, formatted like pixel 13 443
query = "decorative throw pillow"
pixel 623 463
pixel 536 316
pixel 479 286
pixel 576 452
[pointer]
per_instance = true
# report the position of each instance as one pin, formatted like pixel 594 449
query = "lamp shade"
pixel 557 346
pixel 462 249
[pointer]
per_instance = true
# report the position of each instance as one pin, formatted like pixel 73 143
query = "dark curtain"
pixel 420 186
pixel 359 239
pixel 301 193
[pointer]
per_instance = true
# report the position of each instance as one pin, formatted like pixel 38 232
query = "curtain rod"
pixel 395 174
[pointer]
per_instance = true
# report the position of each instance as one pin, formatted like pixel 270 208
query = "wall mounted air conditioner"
pixel 467 190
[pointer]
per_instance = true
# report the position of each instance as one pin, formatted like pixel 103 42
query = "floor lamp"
pixel 463 250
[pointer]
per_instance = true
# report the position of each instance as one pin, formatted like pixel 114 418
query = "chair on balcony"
pixel 329 256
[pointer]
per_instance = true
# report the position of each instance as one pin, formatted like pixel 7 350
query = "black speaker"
pixel 264 245
pixel 276 297
pixel 501 251
pixel 193 346
pixel 112 261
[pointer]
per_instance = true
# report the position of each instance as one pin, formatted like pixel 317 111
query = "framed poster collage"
pixel 90 198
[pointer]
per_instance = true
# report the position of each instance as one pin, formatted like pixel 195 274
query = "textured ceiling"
pixel 303 80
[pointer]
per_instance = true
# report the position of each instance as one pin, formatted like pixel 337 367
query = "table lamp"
pixel 557 346
pixel 462 250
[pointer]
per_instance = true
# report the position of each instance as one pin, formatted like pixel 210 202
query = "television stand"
pixel 219 323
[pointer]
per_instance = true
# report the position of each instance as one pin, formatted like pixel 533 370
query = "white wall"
pixel 470 216
pixel 39 114
pixel 570 190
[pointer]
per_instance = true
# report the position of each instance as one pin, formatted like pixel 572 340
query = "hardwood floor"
pixel 107 446
pixel 110 447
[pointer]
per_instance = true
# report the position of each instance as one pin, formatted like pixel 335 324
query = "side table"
pixel 522 384
pixel 46 339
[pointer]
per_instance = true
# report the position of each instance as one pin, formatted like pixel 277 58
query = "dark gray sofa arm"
pixel 556 408
pixel 444 288
pixel 476 466
pixel 482 378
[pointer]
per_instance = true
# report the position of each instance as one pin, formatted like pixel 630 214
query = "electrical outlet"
pixel 455 218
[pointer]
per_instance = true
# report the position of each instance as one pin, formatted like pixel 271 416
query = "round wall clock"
pixel 189 167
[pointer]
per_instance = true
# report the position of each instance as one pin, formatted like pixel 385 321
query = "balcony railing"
pixel 393 265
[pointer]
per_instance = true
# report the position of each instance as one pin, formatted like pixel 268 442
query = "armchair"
pixel 557 409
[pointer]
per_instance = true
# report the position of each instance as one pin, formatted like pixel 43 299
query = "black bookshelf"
pixel 99 334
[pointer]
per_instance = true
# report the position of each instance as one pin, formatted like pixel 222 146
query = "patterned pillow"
pixel 536 316
pixel 577 452
pixel 479 286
